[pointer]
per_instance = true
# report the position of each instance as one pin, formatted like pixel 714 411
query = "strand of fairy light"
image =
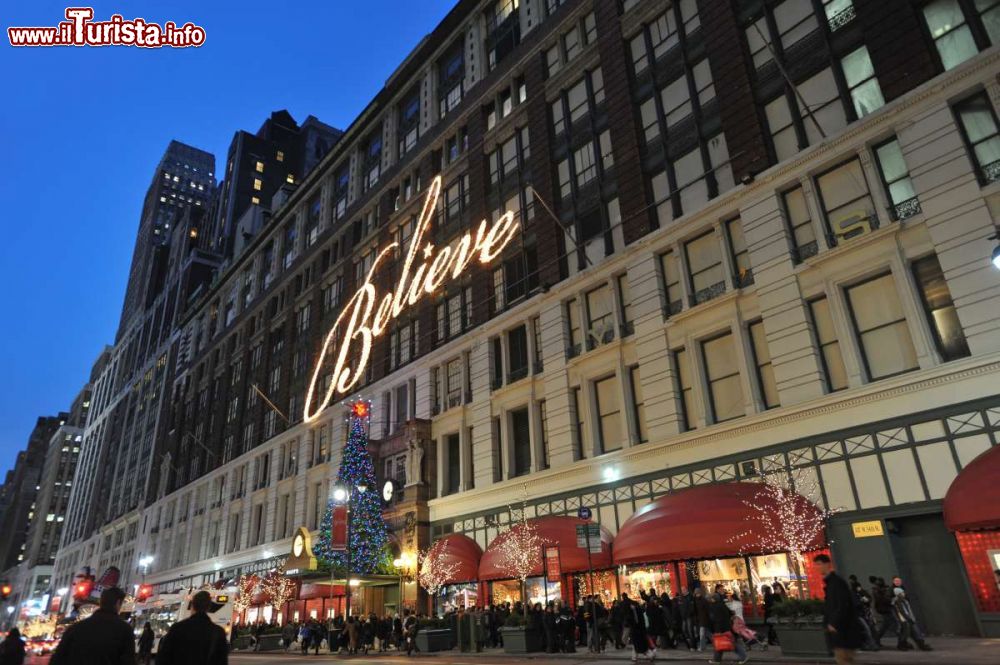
pixel 435 569
pixel 777 523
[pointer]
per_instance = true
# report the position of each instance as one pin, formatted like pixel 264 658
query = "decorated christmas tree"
pixel 368 533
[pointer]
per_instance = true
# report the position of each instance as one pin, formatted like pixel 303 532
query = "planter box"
pixel 522 640
pixel 802 639
pixel 270 642
pixel 438 639
pixel 241 643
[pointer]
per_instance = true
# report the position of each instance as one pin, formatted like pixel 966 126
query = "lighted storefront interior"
pixel 457 596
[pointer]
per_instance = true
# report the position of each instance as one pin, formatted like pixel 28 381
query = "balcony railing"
pixel 572 351
pixel 991 172
pixel 906 209
pixel 841 18
pixel 806 250
pixel 743 278
pixel 517 374
pixel 708 293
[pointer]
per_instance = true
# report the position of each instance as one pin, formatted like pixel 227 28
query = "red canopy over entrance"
pixel 553 530
pixel 699 523
pixel 973 499
pixel 460 551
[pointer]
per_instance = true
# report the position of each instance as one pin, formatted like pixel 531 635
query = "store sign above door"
pixel 367 315
pixel 867 529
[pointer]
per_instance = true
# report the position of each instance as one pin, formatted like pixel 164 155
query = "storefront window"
pixel 981 553
pixel 604 586
pixel 538 591
pixel 636 578
pixel 457 596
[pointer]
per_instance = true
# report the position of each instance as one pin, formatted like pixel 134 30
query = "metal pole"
pixel 593 603
pixel 347 576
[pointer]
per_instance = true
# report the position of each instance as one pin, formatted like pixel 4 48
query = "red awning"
pixel 699 523
pixel 553 530
pixel 973 499
pixel 460 551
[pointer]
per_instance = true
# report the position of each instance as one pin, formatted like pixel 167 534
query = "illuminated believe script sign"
pixel 367 315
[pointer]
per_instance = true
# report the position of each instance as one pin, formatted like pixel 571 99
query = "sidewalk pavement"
pixel 950 650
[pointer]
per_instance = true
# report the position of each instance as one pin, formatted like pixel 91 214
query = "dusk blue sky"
pixel 83 129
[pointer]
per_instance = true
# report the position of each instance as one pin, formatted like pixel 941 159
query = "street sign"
pixel 588 537
pixel 583 513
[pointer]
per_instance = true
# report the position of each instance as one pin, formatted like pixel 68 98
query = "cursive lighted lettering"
pixel 367 315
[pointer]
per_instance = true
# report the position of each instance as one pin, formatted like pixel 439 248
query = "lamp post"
pixel 346 496
pixel 145 562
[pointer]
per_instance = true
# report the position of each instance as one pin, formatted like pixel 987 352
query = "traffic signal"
pixel 144 592
pixel 5 590
pixel 82 588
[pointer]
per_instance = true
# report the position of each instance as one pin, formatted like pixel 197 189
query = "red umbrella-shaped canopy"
pixel 973 499
pixel 459 552
pixel 557 530
pixel 706 522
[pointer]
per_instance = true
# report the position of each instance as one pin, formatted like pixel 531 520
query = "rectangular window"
pixel 800 224
pixel 880 325
pixel 685 387
pixel 453 448
pixel 521 440
pixel 609 413
pixel 941 314
pixel 543 417
pixel 952 34
pixel 573 327
pixel 600 317
pixel 625 297
pixel 671 283
pixel 723 376
pixel 578 429
pixel 705 271
pixel 861 82
pixel 829 344
pixel 740 253
pixel 586 167
pixel 638 404
pixel 849 209
pixel 762 361
pixel 517 353
pixel 453 376
pixel 896 180
pixel 982 138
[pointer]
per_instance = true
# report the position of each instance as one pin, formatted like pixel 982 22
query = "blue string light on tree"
pixel 369 534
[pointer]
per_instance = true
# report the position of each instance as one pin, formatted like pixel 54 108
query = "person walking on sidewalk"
pixel 635 619
pixel 721 623
pixel 196 640
pixel 12 648
pixel 702 619
pixel 146 644
pixel 103 638
pixel 840 614
pixel 907 622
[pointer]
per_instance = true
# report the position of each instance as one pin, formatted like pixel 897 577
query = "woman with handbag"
pixel 723 637
pixel 635 620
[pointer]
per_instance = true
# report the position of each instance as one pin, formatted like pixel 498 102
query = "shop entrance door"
pixel 930 566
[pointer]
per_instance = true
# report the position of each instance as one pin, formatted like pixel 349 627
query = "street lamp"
pixel 145 562
pixel 996 257
pixel 345 495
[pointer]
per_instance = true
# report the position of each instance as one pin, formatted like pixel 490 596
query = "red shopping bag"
pixel 723 642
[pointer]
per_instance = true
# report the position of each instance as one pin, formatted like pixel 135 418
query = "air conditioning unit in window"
pixel 853 225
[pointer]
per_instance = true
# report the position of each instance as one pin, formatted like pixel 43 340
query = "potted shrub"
pixel 518 637
pixel 434 635
pixel 799 625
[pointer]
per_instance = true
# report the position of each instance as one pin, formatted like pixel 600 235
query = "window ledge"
pixel 991 189
pixel 688 312
pixel 854 243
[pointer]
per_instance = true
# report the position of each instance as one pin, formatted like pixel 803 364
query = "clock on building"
pixel 387 491
pixel 298 545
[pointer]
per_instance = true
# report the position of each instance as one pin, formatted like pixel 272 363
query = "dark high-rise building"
pixel 258 165
pixel 20 489
pixel 184 178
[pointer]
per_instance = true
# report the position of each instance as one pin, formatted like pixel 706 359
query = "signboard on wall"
pixel 867 529
pixel 552 569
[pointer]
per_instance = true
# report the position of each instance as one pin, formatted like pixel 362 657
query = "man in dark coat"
pixel 839 613
pixel 101 639
pixel 195 640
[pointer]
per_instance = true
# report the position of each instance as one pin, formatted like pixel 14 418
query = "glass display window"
pixel 643 577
